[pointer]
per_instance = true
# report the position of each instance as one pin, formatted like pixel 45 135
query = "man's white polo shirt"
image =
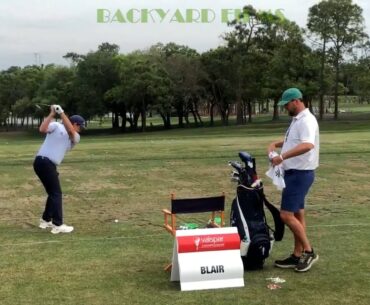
pixel 57 143
pixel 303 129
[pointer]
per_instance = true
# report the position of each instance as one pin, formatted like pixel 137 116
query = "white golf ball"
pixel 116 220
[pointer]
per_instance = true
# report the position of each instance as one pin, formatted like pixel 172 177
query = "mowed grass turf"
pixel 130 178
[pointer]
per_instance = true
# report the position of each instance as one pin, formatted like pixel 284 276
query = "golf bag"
pixel 248 215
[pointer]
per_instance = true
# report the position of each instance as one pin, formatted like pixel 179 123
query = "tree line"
pixel 262 55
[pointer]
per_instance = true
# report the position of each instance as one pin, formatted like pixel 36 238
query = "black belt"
pixel 44 158
pixel 291 171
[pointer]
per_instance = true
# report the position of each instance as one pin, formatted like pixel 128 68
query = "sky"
pixel 42 31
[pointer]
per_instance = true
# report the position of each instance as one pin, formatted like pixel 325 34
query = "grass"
pixel 130 178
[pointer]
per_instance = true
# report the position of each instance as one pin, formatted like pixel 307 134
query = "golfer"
pixel 60 138
pixel 299 157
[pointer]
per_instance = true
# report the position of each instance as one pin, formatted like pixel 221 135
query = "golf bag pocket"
pixel 258 251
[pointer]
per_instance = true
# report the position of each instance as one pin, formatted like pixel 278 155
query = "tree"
pixel 363 79
pixel 357 77
pixel 318 23
pixel 290 64
pixel 185 74
pixel 252 30
pixel 96 73
pixel 218 81
pixel 17 88
pixel 143 85
pixel 340 23
pixel 57 87
pixel 23 109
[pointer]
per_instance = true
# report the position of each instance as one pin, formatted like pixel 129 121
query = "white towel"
pixel 276 173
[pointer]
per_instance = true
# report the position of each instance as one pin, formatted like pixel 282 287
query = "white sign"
pixel 207 259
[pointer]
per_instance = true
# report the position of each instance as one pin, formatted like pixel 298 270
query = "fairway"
pixel 130 177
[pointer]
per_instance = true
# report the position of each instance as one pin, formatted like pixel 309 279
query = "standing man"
pixel 60 138
pixel 299 157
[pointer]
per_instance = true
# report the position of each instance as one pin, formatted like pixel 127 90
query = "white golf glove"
pixel 58 109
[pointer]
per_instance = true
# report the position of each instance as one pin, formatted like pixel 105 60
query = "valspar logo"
pixel 209 242
pixel 182 16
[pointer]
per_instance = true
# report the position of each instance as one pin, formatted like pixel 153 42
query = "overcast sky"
pixel 42 31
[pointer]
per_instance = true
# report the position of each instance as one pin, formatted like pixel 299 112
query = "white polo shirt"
pixel 57 143
pixel 303 129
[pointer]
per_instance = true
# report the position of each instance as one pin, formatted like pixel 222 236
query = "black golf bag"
pixel 248 215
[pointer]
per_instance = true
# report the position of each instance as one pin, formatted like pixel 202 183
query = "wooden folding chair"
pixel 215 205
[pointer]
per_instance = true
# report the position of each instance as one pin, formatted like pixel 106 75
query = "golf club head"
pixel 234 176
pixel 248 160
pixel 235 179
pixel 235 164
pixel 245 157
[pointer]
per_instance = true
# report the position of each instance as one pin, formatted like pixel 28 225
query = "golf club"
pixel 40 105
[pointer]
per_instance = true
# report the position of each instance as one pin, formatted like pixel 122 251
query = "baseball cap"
pixel 289 95
pixel 77 119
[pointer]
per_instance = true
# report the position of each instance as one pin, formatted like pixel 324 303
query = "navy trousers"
pixel 47 172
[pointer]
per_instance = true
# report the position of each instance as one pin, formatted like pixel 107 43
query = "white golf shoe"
pixel 61 229
pixel 45 224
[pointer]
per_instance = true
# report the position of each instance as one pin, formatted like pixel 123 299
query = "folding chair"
pixel 215 205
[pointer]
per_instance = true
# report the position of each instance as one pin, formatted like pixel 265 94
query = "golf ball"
pixel 116 220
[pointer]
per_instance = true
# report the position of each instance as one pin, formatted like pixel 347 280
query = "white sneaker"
pixel 61 229
pixel 45 224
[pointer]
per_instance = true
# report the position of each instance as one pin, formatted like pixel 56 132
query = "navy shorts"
pixel 297 185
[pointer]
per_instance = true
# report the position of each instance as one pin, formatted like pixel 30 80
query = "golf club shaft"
pixel 41 105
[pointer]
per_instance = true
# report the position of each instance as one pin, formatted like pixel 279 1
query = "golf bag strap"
pixel 244 222
pixel 279 224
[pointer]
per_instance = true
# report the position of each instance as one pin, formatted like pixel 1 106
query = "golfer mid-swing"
pixel 60 138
